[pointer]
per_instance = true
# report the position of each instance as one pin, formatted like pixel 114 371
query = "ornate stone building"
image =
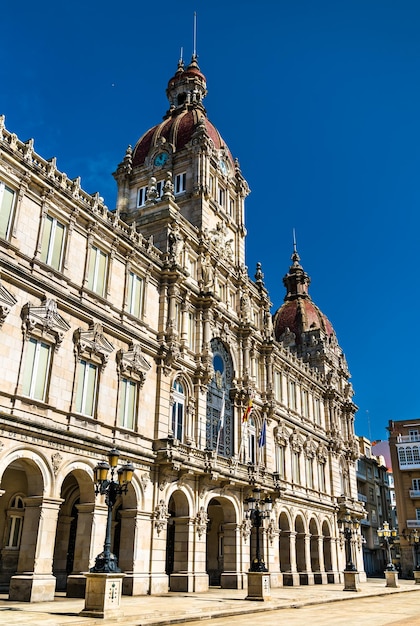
pixel 140 328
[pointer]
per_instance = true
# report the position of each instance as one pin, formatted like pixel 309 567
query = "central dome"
pixel 186 116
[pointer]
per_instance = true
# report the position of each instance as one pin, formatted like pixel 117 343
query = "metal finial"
pixel 195 35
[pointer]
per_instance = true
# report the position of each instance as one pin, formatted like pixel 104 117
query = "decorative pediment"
pixel 92 344
pixel 296 442
pixel 322 453
pixel 281 436
pixel 310 448
pixel 6 303
pixel 133 364
pixel 44 321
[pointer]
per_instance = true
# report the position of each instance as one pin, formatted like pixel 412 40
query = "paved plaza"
pixel 375 605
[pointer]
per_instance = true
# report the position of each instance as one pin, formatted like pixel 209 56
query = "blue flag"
pixel 263 435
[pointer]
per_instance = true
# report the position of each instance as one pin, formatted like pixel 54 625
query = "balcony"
pixel 413 523
pixel 414 493
pixel 362 498
pixel 408 438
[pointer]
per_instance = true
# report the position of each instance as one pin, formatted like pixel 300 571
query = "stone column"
pixel 232 577
pixel 34 581
pixel 294 574
pixel 134 551
pixel 182 577
pixel 90 536
pixel 309 573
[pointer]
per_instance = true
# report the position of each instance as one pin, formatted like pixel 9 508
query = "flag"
pixel 247 412
pixel 263 435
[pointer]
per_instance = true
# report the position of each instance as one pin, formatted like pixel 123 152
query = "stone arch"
pixel 300 531
pixel 38 471
pixel 178 539
pixel 285 527
pixel 222 541
pixel 314 539
pixel 327 550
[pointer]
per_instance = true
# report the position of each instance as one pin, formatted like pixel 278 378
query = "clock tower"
pixel 180 186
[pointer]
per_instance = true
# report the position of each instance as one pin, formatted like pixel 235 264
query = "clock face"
pixel 161 159
pixel 223 167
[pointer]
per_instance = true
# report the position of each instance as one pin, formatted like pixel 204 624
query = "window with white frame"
pixel 141 196
pixel 15 515
pixel 7 196
pixel 135 294
pixel 127 408
pixel 277 385
pixel 86 392
pixel 416 484
pixel 418 515
pixel 52 245
pixel 281 461
pixel 178 410
pixel 180 183
pixel 36 369
pixel 413 434
pixel 98 263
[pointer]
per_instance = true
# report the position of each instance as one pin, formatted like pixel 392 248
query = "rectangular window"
pixel 277 386
pixel 86 388
pixel 127 403
pixel 321 477
pixel 416 484
pixel 222 196
pixel 317 411
pixel 305 403
pixel 135 295
pixel 231 207
pixel 97 271
pixel 159 187
pixel 141 196
pixel 6 208
pixel 211 186
pixel 35 375
pixel 413 434
pixel 292 392
pixel 309 473
pixel 280 461
pixel 180 183
pixel 296 467
pixel 418 515
pixel 191 331
pixel 15 531
pixel 52 242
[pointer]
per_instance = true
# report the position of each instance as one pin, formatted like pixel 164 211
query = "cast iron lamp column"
pixel 257 510
pixel 349 526
pixel 388 535
pixel 106 562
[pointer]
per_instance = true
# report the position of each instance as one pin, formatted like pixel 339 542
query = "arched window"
pixel 178 410
pixel 15 514
pixel 219 430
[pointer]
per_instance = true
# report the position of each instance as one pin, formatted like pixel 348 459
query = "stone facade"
pixel 140 328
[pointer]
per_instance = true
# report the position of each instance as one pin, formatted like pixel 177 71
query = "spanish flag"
pixel 247 412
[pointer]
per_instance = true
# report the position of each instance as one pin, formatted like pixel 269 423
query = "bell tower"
pixel 181 175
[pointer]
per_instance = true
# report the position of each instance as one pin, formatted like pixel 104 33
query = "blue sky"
pixel 320 102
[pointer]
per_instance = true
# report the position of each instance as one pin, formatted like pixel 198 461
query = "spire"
pixel 296 280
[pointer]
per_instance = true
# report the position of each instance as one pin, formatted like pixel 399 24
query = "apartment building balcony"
pixel 408 438
pixel 413 523
pixel 414 493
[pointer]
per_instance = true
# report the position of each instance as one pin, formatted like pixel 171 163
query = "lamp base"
pixel 258 586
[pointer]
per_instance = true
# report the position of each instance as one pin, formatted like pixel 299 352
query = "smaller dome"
pixel 299 314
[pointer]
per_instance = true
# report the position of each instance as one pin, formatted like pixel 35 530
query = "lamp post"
pixel 349 526
pixel 388 535
pixel 256 510
pixel 106 562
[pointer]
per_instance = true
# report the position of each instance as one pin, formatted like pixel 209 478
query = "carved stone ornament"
pixel 6 303
pixel 296 442
pixel 133 364
pixel 281 436
pixel 201 522
pixel 288 338
pixel 160 516
pixel 219 239
pixel 92 344
pixel 246 529
pixel 309 448
pixel 56 460
pixel 44 321
pixel 271 531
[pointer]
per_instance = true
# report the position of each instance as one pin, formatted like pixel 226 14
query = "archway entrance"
pixel 221 548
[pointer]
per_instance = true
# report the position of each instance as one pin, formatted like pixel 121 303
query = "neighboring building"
pixel 140 328
pixel 404 445
pixel 381 448
pixel 373 491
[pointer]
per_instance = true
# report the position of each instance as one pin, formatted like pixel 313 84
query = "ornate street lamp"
pixel 256 510
pixel 414 540
pixel 106 562
pixel 348 526
pixel 388 535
